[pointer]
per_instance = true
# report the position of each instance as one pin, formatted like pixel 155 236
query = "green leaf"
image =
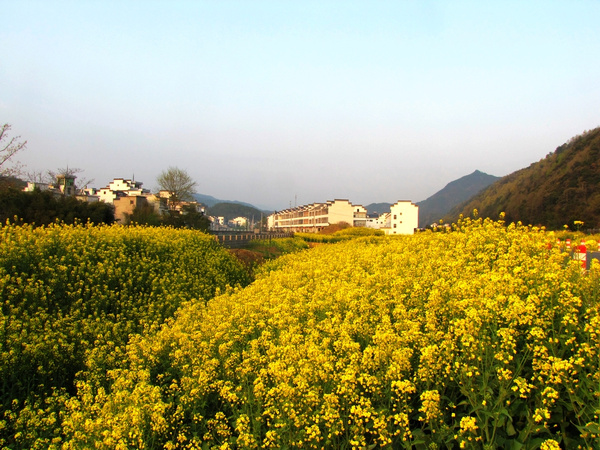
pixel 510 429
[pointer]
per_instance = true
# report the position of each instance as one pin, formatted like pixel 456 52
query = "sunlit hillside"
pixel 562 188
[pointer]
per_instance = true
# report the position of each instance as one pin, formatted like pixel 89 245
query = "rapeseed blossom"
pixel 482 336
pixel 71 296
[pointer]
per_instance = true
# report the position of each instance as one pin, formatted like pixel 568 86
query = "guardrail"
pixel 240 240
pixel 579 252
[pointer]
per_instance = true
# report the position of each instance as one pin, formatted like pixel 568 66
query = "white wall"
pixel 404 217
pixel 341 211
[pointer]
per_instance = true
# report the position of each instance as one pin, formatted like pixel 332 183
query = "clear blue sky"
pixel 276 102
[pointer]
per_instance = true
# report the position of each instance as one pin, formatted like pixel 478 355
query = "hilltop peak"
pixel 557 190
pixel 439 204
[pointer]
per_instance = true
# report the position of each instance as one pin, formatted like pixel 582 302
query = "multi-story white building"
pixel 316 216
pixel 403 218
pixel 119 187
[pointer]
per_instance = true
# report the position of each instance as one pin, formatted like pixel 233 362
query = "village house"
pixel 403 218
pixel 64 185
pixel 239 222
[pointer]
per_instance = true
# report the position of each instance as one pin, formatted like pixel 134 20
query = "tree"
pixel 43 208
pixel 178 183
pixel 143 215
pixel 8 150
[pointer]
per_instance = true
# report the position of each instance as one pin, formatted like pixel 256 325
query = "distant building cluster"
pixel 124 194
pixel 127 194
pixel 403 217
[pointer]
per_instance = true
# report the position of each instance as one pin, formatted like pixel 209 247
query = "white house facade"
pixel 403 218
pixel 316 216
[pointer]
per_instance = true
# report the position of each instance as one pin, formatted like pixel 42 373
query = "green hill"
pixel 378 208
pixel 210 201
pixel 439 204
pixel 232 210
pixel 559 189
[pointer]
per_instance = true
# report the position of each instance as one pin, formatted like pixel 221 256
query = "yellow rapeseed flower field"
pixel 482 337
pixel 71 296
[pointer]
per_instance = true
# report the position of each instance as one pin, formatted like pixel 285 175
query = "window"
pixel 395 217
pixel 394 225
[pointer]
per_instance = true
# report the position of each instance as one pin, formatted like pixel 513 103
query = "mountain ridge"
pixel 211 201
pixel 558 190
pixel 460 190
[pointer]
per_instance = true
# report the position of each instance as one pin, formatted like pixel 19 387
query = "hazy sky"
pixel 278 102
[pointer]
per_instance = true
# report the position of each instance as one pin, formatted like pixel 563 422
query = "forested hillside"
pixel 378 208
pixel 560 189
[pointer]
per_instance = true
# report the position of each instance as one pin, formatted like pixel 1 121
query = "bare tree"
pixel 178 183
pixel 36 177
pixel 8 150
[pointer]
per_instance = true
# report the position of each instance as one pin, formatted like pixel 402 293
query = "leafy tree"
pixel 191 218
pixel 43 208
pixel 8 149
pixel 178 183
pixel 144 215
pixel 188 217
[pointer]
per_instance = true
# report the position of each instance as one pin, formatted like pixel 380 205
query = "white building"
pixel 239 221
pixel 217 223
pixel 119 187
pixel 31 186
pixel 379 222
pixel 316 216
pixel 403 218
pixel 64 186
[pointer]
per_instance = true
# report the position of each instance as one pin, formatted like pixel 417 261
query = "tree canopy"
pixel 177 181
pixel 43 208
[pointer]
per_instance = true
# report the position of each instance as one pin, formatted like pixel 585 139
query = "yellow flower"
pixel 550 444
pixel 468 425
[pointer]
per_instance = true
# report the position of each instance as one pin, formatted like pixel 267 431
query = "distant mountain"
pixel 439 204
pixel 232 210
pixel 559 189
pixel 378 208
pixel 209 201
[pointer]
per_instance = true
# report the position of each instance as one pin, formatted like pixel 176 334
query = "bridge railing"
pixel 240 240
